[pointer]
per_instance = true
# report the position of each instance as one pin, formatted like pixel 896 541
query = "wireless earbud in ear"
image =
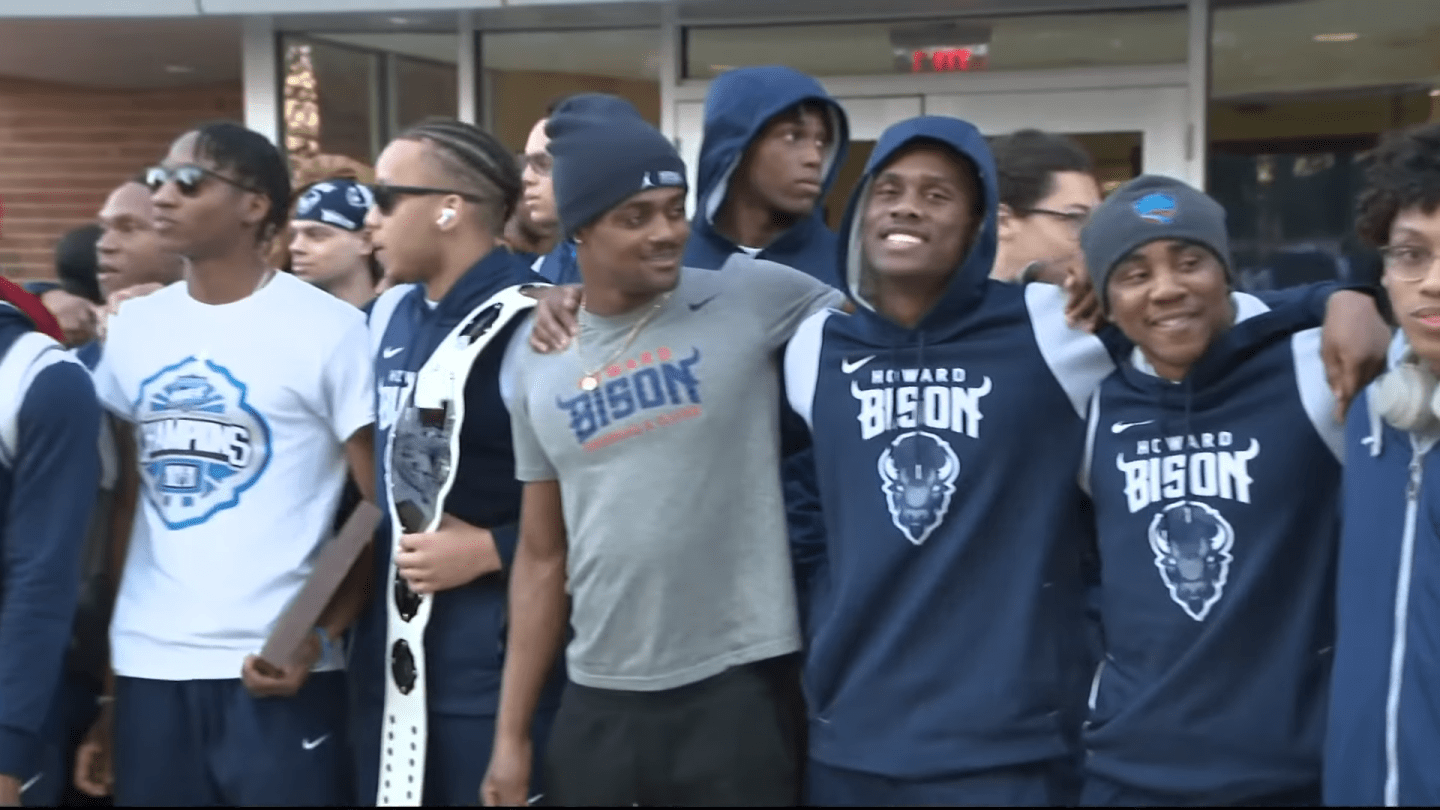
pixel 446 217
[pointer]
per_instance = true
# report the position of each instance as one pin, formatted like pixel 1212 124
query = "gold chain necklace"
pixel 591 380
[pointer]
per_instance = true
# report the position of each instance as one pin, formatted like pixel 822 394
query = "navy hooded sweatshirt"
pixel 738 106
pixel 47 487
pixel 465 638
pixel 1217 505
pixel 1383 736
pixel 947 618
pixel 947 623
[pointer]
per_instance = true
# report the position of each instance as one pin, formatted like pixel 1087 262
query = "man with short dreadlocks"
pixel 429 649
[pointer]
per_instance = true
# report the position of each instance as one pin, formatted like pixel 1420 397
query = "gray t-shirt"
pixel 669 474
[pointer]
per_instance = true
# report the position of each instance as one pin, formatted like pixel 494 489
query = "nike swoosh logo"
pixel 695 307
pixel 310 745
pixel 31 783
pixel 849 367
pixel 389 353
pixel 1121 427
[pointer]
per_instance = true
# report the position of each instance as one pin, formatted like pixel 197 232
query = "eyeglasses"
pixel 1408 262
pixel 541 163
pixel 1075 219
pixel 387 196
pixel 188 178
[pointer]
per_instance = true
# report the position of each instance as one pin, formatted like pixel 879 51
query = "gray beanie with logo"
pixel 1148 208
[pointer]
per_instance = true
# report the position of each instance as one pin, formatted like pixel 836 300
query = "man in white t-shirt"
pixel 248 390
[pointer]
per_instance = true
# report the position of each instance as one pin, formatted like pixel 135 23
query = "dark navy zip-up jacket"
pixel 1217 505
pixel 48 483
pixel 738 106
pixel 947 618
pixel 1382 741
pixel 464 640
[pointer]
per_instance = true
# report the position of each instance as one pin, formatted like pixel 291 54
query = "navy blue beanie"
pixel 342 203
pixel 604 154
pixel 1148 208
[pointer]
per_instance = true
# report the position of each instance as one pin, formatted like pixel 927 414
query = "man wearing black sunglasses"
pixel 444 192
pixel 248 390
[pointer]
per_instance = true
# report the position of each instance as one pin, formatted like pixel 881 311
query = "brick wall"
pixel 63 148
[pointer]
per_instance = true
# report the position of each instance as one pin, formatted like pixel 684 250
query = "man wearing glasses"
pixel 1047 192
pixel 534 229
pixel 248 390
pixel 445 191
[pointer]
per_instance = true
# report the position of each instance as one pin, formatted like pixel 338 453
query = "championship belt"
pixel 423 453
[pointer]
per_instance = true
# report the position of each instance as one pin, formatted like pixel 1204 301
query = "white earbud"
pixel 446 217
pixel 1407 396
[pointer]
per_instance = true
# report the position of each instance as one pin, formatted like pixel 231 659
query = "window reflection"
pixel 1299 91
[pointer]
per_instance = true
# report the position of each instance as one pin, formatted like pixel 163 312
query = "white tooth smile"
pixel 903 239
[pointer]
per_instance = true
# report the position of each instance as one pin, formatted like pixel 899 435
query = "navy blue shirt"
pixel 47 489
pixel 465 638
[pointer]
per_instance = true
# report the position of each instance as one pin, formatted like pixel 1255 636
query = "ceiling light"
pixel 1347 37
pixel 179 69
pixel 399 20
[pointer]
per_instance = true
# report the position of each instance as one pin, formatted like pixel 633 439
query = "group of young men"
pixel 873 517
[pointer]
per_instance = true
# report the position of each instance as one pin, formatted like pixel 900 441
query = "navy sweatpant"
pixel 1040 784
pixel 210 743
pixel 1102 792
pixel 456 757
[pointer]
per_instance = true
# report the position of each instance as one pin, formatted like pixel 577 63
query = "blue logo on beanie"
pixel 1158 208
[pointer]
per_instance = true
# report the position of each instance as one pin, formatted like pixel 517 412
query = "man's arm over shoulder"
pixel 781 296
pixel 56 474
pixel 1077 359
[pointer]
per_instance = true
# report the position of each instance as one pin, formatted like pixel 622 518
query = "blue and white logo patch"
pixel 918 471
pixel 1157 208
pixel 1192 544
pixel 201 443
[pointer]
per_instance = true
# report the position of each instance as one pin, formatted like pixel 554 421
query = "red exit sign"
pixel 948 60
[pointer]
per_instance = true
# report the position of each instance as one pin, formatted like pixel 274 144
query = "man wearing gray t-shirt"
pixel 652 517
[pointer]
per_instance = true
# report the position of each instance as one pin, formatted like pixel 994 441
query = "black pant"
pixel 729 740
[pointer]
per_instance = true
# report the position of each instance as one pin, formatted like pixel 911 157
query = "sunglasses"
pixel 388 196
pixel 188 178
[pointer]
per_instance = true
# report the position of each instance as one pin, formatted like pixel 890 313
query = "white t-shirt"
pixel 241 413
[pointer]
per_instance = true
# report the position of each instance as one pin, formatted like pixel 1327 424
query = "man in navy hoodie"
pixel 49 472
pixel 1383 731
pixel 1215 442
pixel 774 142
pixel 445 190
pixel 946 618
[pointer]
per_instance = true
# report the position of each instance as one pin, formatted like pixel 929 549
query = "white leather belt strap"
pixel 429 452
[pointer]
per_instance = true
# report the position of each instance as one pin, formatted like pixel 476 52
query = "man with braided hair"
pixel 247 390
pixel 444 191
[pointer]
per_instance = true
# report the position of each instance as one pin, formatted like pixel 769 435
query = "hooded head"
pixel 923 215
pixel 740 109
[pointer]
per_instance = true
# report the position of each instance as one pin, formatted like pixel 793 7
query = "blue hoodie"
pixel 947 618
pixel 1383 735
pixel 48 483
pixel 1217 506
pixel 737 108
pixel 465 638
